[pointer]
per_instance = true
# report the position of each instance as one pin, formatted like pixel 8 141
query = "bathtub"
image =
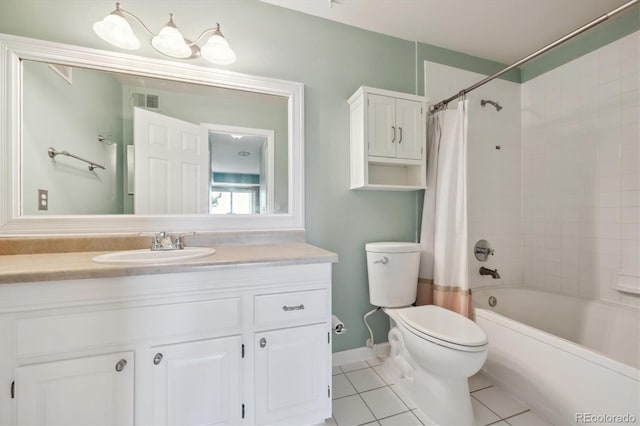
pixel 571 360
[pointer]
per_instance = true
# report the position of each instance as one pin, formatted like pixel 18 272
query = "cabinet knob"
pixel 157 358
pixel 263 342
pixel 400 128
pixel 120 365
pixel 394 134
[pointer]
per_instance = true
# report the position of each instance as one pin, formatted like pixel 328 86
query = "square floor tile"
pixel 500 402
pixel 383 402
pixel 423 418
pixel 482 415
pixel 364 380
pixel 404 419
pixel 351 411
pixel 336 370
pixel 353 366
pixel 478 381
pixel 375 361
pixel 380 371
pixel 406 399
pixel 527 419
pixel 341 386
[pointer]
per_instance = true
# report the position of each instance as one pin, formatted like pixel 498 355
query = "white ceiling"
pixel 500 30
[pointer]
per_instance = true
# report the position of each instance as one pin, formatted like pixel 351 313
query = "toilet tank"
pixel 393 273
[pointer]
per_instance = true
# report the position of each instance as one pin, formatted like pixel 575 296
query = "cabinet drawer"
pixel 80 330
pixel 291 308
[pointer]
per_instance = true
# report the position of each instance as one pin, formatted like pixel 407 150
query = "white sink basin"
pixel 147 256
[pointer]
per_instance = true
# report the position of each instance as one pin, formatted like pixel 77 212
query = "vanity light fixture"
pixel 115 29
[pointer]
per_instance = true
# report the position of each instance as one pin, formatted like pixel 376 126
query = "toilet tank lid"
pixel 392 247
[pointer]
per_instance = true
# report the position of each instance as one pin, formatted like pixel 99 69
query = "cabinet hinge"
pixel 243 350
pixel 243 411
pixel 328 391
pixel 13 389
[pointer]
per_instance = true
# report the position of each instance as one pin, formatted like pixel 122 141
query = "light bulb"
pixel 217 50
pixel 115 29
pixel 171 42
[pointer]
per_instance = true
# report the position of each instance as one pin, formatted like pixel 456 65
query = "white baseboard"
pixel 360 354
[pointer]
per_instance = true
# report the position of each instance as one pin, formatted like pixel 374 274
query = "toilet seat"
pixel 443 327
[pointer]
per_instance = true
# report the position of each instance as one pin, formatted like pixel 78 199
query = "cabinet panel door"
pixel 82 391
pixel 381 126
pixel 409 121
pixel 198 383
pixel 291 372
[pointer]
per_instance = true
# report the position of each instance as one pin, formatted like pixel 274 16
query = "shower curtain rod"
pixel 443 104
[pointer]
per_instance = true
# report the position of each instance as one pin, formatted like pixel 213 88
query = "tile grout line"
pixel 487 407
pixel 479 389
pixel 360 396
pixel 517 414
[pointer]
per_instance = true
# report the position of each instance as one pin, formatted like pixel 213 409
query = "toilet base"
pixel 444 401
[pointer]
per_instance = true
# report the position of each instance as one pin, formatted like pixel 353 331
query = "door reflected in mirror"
pixel 197 149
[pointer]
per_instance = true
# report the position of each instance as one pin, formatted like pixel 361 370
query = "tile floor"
pixel 363 395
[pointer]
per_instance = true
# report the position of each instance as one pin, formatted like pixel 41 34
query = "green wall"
pixel 69 117
pixel 611 30
pixel 332 60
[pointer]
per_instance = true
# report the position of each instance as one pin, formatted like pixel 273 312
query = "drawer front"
pixel 81 330
pixel 291 308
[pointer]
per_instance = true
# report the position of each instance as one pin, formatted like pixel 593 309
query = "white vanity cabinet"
pixel 198 383
pixel 388 140
pixel 169 349
pixel 291 363
pixel 80 391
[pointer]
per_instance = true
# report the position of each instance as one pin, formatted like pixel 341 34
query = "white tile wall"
pixel 581 173
pixel 494 174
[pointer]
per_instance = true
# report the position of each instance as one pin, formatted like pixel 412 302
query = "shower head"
pixel 495 104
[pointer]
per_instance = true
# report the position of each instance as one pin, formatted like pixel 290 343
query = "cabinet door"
pixel 95 390
pixel 381 126
pixel 291 368
pixel 409 125
pixel 197 383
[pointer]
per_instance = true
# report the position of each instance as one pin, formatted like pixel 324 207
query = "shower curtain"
pixel 444 263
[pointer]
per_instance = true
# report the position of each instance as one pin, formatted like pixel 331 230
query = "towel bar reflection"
pixel 53 152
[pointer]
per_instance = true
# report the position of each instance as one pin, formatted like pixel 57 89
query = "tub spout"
pixel 486 271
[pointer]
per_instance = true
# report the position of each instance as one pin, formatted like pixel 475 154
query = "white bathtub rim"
pixel 565 345
pixel 631 309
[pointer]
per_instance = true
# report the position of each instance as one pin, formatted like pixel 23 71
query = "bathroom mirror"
pixel 111 118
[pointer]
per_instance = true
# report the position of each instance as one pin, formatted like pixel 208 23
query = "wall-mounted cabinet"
pixel 388 140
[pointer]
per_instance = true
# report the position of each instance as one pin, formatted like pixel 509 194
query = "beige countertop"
pixel 78 265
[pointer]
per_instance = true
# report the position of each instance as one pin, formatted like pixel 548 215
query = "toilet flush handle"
pixel 384 260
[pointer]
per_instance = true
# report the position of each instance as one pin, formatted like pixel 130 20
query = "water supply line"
pixel 370 343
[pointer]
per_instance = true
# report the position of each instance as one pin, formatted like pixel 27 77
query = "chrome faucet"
pixel 486 271
pixel 163 241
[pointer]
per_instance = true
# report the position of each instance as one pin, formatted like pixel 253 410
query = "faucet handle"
pixel 179 239
pixel 158 240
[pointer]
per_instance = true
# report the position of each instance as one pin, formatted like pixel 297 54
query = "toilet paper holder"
pixel 337 325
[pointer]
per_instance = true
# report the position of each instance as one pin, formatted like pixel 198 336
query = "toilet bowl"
pixel 433 350
pixel 445 349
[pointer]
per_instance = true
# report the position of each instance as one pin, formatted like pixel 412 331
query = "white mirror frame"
pixel 13 49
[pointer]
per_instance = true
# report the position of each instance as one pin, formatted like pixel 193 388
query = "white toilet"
pixel 433 350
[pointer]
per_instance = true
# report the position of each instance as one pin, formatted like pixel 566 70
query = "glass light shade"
pixel 217 51
pixel 171 43
pixel 116 30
